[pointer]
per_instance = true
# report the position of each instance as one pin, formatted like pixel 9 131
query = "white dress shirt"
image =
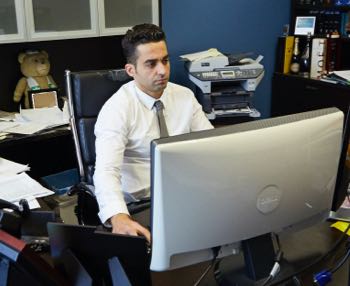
pixel 126 125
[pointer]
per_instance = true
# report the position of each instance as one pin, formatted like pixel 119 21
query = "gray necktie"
pixel 161 120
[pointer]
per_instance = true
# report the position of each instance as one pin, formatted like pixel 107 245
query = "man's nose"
pixel 161 68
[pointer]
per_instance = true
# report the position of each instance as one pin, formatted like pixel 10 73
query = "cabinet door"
pixel 116 16
pixel 11 21
pixel 63 19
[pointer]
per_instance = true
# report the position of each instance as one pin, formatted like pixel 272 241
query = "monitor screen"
pixel 221 186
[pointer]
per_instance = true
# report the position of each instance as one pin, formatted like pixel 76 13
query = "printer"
pixel 225 84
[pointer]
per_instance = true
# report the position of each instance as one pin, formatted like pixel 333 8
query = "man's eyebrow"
pixel 150 61
pixel 155 60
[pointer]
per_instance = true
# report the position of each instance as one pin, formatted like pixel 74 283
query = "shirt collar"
pixel 147 100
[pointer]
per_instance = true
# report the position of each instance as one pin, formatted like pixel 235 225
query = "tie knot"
pixel 158 105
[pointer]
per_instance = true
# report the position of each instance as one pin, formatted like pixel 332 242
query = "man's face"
pixel 152 70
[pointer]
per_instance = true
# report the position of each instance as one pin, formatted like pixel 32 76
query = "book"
pixel 288 51
pixel 284 54
pixel 318 57
pixel 345 24
pixel 333 54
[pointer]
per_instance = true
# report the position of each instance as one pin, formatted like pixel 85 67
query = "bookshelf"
pixel 332 28
pixel 332 24
pixel 332 16
pixel 293 93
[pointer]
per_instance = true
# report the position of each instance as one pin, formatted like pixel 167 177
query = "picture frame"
pixel 43 98
pixel 305 25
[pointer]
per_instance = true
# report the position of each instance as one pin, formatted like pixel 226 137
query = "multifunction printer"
pixel 225 84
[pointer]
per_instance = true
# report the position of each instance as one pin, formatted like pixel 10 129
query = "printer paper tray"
pixel 251 112
pixel 231 106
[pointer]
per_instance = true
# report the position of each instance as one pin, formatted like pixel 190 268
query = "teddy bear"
pixel 35 66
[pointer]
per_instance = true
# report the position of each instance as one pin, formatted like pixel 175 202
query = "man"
pixel 128 123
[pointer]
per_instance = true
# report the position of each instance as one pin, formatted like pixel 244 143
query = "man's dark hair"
pixel 140 34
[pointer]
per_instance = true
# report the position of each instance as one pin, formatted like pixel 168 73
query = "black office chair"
pixel 87 92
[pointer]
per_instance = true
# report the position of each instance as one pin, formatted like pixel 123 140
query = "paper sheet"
pixel 7 116
pixel 15 184
pixel 30 121
pixel 52 116
pixel 27 128
pixel 21 186
pixel 342 226
pixel 9 167
pixel 32 203
pixel 202 55
pixel 343 74
pixel 4 125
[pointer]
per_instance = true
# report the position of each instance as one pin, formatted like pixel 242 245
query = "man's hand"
pixel 123 224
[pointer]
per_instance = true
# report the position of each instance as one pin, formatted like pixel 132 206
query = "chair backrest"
pixel 87 92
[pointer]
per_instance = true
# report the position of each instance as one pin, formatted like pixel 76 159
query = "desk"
pixel 293 94
pixel 300 248
pixel 47 152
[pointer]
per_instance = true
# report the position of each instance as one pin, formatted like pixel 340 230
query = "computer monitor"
pixel 343 178
pixel 95 251
pixel 222 186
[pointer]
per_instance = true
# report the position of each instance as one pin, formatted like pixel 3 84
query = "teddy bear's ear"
pixel 21 57
pixel 44 53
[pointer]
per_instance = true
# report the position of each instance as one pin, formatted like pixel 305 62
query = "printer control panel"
pixel 232 74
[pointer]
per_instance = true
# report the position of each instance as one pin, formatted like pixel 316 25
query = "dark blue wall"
pixel 231 26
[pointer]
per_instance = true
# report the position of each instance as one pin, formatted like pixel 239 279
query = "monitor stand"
pixel 343 212
pixel 79 276
pixel 259 258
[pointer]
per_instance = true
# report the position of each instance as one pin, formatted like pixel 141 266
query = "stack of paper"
pixel 30 121
pixel 341 77
pixel 15 184
pixel 202 55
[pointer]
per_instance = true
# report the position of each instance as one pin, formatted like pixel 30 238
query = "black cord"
pixel 276 267
pixel 277 239
pixel 278 258
pixel 341 262
pixel 267 280
pixel 23 208
pixel 296 281
pixel 325 276
pixel 217 272
pixel 335 246
pixel 215 255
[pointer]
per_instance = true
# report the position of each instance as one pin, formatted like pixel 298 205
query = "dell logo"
pixel 269 199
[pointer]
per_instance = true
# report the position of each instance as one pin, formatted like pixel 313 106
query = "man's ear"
pixel 130 69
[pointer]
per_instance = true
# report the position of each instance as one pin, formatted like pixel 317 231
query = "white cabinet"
pixel 12 26
pixel 39 20
pixel 52 19
pixel 117 16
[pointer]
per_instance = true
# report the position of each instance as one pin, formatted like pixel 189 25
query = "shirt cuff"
pixel 106 214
